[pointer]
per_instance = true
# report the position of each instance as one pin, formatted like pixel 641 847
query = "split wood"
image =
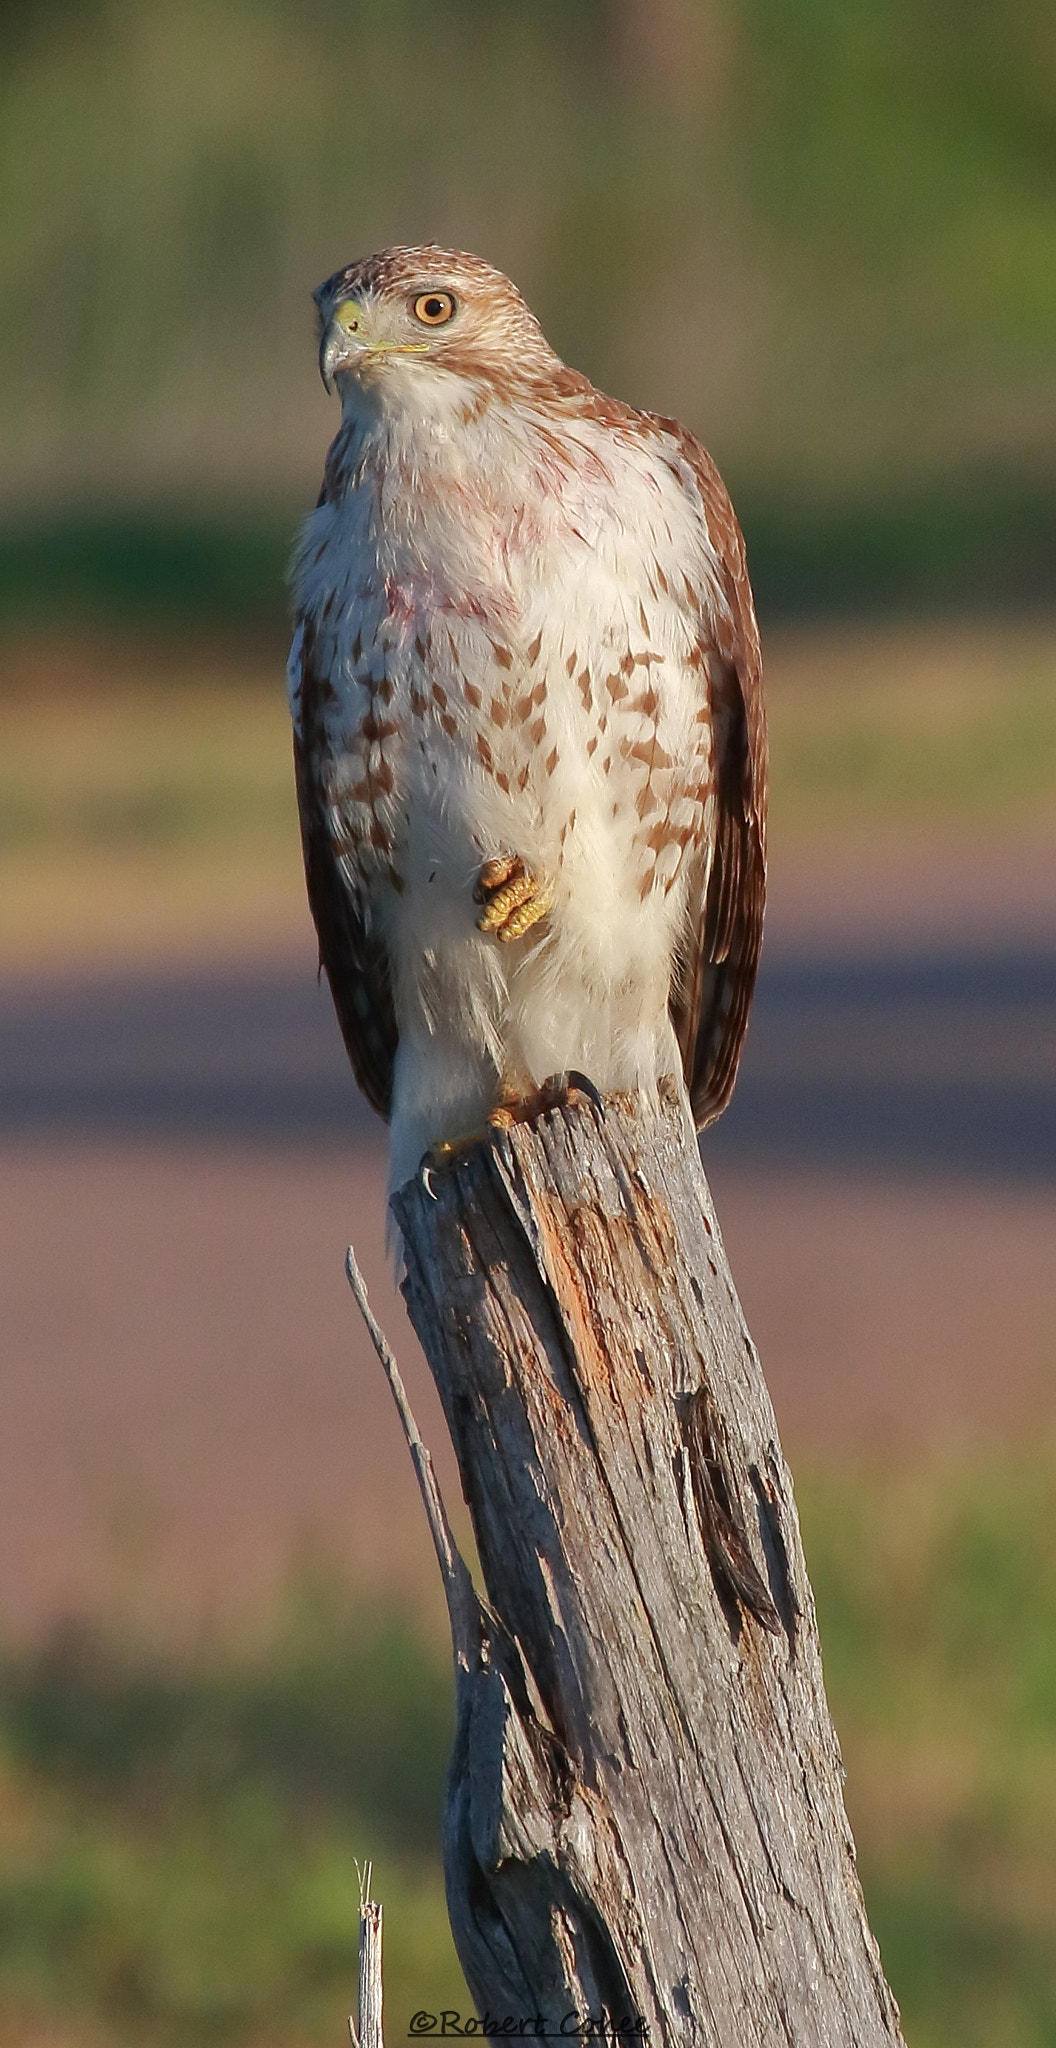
pixel 645 1828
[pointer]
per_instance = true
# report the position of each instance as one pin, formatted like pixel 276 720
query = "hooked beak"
pixel 342 344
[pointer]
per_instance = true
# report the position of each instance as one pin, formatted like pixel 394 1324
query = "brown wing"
pixel 355 962
pixel 714 980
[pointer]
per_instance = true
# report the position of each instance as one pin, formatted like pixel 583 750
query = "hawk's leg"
pixel 512 897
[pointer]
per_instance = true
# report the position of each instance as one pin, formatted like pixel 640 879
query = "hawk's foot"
pixel 513 898
pixel 556 1093
pixel 445 1152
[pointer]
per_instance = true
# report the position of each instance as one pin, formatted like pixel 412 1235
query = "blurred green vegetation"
pixel 927 729
pixel 178 1857
pixel 179 1841
pixel 820 233
pixel 937 1603
pixel 981 546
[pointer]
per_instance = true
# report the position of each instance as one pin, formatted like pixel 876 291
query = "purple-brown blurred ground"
pixel 189 1412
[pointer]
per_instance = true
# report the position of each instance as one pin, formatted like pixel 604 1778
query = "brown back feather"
pixel 355 962
pixel 714 982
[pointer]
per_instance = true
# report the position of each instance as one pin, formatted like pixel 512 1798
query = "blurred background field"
pixel 822 235
pixel 179 1838
pixel 146 795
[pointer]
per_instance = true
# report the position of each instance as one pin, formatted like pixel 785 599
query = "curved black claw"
pixel 442 1156
pixel 556 1091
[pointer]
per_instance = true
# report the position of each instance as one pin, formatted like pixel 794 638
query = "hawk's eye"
pixel 433 308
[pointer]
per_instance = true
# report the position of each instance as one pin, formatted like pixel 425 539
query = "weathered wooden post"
pixel 645 1823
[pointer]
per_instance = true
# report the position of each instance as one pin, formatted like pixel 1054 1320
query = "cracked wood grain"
pixel 645 1817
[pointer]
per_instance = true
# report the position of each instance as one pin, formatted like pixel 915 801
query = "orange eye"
pixel 433 308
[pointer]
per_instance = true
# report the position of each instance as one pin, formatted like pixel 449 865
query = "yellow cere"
pixel 348 314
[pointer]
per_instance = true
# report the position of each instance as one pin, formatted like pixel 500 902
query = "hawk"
pixel 530 741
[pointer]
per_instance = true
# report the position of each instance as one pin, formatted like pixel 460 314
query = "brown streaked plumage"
pixel 525 648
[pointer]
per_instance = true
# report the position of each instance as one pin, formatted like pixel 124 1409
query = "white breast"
pixel 531 638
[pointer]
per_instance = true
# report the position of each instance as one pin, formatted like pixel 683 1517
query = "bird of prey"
pixel 529 731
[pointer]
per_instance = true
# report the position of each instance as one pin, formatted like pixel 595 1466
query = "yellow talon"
pixel 505 903
pixel 512 896
pixel 444 1153
pixel 527 914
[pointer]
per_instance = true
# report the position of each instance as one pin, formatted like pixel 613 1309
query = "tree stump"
pixel 645 1827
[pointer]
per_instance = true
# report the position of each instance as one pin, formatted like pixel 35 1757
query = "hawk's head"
pixel 428 306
